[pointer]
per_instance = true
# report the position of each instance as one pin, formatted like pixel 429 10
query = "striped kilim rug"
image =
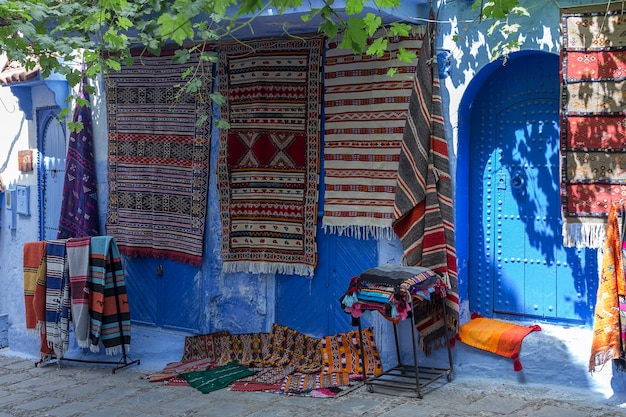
pixel 423 204
pixel 268 164
pixel 593 126
pixel 365 113
pixel 158 159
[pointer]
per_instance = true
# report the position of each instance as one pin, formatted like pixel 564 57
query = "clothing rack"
pixel 125 360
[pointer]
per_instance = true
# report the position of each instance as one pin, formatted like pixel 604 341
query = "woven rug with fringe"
pixel 365 113
pixel 593 127
pixel 424 218
pixel 159 141
pixel 268 164
pixel 501 338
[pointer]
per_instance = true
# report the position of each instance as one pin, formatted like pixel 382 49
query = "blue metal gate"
pixel 517 262
pixel 311 305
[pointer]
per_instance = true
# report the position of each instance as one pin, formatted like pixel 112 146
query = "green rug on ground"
pixel 217 378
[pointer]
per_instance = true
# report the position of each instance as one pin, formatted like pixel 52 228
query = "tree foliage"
pixel 101 33
pixel 58 34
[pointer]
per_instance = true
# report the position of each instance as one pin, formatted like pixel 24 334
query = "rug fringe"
pixel 267 268
pixel 584 235
pixel 360 232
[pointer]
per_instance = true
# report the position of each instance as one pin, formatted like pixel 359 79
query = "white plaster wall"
pixel 18 134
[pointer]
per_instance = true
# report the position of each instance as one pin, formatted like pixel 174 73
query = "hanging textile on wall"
pixel 268 164
pixel 593 126
pixel 365 112
pixel 607 342
pixel 423 201
pixel 79 208
pixel 159 137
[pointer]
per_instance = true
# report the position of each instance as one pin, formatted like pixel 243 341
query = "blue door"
pixel 517 263
pixel 53 146
pixel 311 305
pixel 165 294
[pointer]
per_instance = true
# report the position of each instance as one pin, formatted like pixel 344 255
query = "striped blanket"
pixel 424 219
pixel 57 297
pixel 78 265
pixel 268 163
pixel 39 305
pixel 365 113
pixel 34 255
pixel 110 312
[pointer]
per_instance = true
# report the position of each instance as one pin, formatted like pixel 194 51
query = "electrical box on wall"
pixel 9 200
pixel 23 200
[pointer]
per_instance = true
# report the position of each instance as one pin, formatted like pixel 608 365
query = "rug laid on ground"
pixel 365 112
pixel 424 218
pixel 79 207
pixel 268 164
pixel 159 139
pixel 283 361
pixel 593 126
pixel 495 336
pixel 217 378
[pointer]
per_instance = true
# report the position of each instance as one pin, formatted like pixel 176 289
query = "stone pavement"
pixel 77 389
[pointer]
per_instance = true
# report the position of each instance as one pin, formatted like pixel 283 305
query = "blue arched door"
pixel 517 263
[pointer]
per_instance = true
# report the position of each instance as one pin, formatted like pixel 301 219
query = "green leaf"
pixel 378 47
pixel 392 71
pixel 387 4
pixel 354 7
pixel 113 64
pixel 405 55
pixel 355 35
pixel 181 56
pixel 372 23
pixel 329 28
pixel 222 124
pixel 400 29
pixel 217 98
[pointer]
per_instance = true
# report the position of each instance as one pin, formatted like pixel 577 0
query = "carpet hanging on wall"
pixel 424 219
pixel 365 112
pixel 158 158
pixel 79 207
pixel 268 164
pixel 593 125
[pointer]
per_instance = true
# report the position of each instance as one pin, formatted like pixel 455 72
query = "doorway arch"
pixel 508 173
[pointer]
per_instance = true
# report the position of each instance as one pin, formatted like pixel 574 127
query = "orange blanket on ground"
pixel 501 338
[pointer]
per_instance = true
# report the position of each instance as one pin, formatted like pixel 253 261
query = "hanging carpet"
pixel 365 113
pixel 159 138
pixel 79 208
pixel 424 219
pixel 608 339
pixel 593 132
pixel 501 338
pixel 268 164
